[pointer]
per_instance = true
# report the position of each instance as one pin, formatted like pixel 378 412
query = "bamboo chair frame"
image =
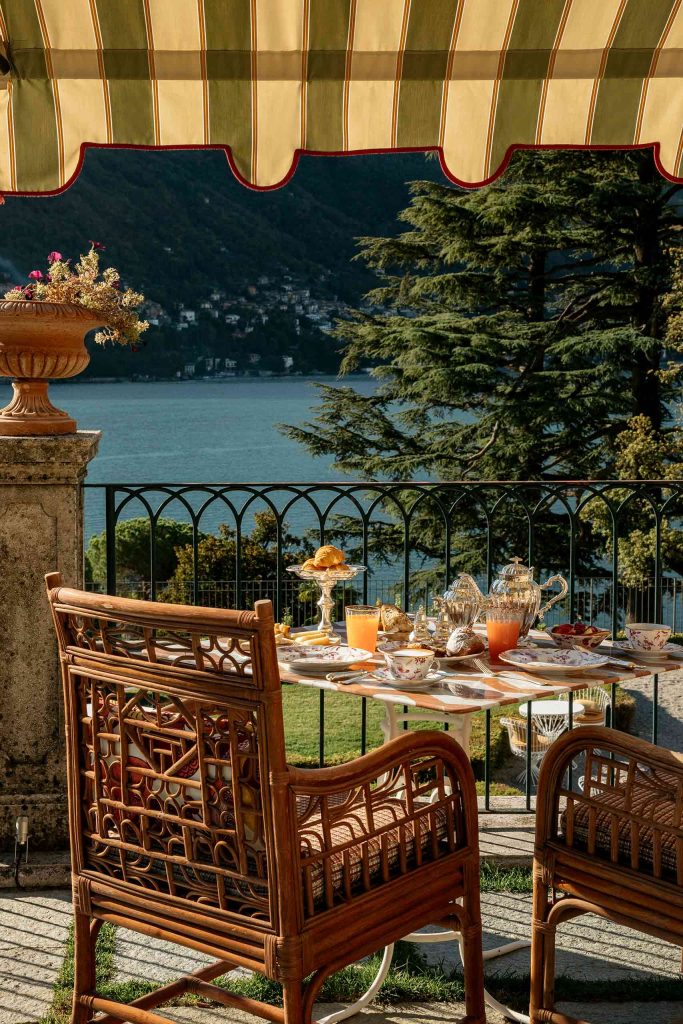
pixel 614 849
pixel 187 824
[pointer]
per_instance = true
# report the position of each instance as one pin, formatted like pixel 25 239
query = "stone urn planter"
pixel 40 341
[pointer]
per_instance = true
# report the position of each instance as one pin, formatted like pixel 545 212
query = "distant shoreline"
pixel 211 379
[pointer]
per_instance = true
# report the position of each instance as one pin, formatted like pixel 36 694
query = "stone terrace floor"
pixel 34 927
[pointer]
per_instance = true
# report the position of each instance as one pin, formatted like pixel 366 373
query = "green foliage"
pixel 217 555
pixel 133 549
pixel 517 330
pixel 643 453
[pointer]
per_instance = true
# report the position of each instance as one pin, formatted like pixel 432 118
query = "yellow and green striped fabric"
pixel 268 79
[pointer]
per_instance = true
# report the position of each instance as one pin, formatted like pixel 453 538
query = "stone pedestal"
pixel 41 529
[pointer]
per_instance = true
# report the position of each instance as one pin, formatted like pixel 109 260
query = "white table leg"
pixel 367 997
pixel 460 727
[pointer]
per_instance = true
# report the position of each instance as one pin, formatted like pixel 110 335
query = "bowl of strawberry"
pixel 577 634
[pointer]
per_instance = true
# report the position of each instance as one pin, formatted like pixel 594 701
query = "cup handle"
pixel 432 663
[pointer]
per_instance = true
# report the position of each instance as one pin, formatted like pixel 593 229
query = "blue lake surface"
pixel 220 431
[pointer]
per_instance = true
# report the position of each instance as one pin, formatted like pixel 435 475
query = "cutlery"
pixel 344 678
pixel 624 664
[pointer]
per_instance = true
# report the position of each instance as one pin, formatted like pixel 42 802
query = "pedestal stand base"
pixel 32 414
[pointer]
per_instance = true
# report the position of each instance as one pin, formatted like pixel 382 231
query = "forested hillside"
pixel 264 273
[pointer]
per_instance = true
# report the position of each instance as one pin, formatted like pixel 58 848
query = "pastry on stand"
pixel 327 568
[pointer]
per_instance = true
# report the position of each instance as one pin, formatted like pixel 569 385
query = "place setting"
pixel 389 648
pixel 648 643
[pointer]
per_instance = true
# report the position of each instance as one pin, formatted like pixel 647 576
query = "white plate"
pixel 454 659
pixel 667 651
pixel 557 660
pixel 312 658
pixel 382 675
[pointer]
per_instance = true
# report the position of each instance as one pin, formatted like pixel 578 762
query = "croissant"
pixel 328 556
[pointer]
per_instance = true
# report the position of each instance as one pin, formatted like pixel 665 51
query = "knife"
pixel 624 664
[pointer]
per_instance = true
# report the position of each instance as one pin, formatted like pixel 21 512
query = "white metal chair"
pixel 595 701
pixel 517 735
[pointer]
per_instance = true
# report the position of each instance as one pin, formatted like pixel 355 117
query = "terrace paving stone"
pixel 34 927
pixel 33 932
pixel 452 1013
pixel 588 947
pixel 409 1013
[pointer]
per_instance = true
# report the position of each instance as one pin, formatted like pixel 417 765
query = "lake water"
pixel 221 431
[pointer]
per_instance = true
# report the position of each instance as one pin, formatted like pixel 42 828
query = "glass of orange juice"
pixel 504 617
pixel 362 623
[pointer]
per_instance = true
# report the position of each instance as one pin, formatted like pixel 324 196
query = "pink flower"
pixel 36 275
pixel 97 246
pixel 53 257
pixel 28 292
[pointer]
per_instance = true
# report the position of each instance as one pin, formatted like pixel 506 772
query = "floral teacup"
pixel 409 663
pixel 647 636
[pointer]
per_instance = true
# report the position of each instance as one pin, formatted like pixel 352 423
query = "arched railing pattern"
pixel 544 521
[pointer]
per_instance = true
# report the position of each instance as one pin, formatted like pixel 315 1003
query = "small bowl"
pixel 586 641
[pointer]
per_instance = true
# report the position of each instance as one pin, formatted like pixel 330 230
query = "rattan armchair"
pixel 614 848
pixel 187 823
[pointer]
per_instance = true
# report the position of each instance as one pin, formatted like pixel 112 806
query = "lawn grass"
pixel 343 729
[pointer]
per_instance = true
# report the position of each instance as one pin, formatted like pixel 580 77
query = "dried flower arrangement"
pixel 86 285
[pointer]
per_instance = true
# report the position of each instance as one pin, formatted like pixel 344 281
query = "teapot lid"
pixel 516 570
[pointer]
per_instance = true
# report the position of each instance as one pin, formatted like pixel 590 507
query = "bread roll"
pixel 393 620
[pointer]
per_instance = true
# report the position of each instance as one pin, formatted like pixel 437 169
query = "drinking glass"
pixel 362 623
pixel 504 617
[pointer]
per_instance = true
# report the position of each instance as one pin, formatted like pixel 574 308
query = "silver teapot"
pixel 463 601
pixel 517 581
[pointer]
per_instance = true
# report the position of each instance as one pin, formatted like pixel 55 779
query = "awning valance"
pixel 269 79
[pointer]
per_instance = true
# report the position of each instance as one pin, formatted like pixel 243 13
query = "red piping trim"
pixel 298 153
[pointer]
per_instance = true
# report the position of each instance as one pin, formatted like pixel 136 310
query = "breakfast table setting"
pixel 479 652
pixel 447 668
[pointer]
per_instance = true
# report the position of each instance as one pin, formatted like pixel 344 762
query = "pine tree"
pixel 515 330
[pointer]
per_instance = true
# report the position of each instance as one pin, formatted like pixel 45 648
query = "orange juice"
pixel 362 623
pixel 503 635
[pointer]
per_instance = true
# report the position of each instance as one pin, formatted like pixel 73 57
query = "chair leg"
pixel 472 948
pixel 84 966
pixel 293 1001
pixel 542 996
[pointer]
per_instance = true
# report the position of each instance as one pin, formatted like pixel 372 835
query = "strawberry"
pixel 566 629
pixel 579 628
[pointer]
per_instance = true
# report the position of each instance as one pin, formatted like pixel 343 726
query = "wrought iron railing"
pixel 415 537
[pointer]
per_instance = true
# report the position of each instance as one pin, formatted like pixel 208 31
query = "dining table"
pixel 465 689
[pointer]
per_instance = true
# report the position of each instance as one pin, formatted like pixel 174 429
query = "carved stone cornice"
pixel 47 460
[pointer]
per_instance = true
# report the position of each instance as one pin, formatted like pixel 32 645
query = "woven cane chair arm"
pixel 630 797
pixel 338 778
pixel 386 814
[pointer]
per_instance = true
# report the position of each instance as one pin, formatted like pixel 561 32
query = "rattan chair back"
pixel 175 723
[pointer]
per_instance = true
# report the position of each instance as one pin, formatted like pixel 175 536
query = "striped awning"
pixel 270 79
